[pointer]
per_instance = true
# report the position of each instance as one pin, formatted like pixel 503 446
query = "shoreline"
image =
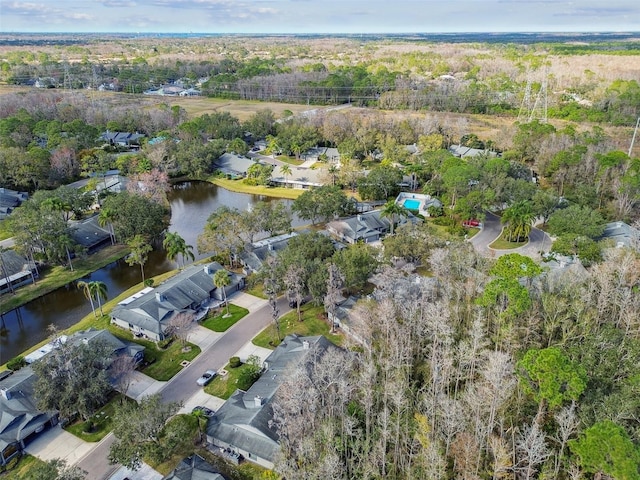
pixel 59 276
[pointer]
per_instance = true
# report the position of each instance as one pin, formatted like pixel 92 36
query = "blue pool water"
pixel 412 204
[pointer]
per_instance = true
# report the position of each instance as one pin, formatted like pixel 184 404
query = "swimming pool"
pixel 411 204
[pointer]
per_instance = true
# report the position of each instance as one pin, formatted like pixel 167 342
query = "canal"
pixel 191 205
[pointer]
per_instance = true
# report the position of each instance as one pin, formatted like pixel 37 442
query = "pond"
pixel 191 205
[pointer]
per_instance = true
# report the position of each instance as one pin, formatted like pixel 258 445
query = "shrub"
pixel 163 344
pixel 234 362
pixel 88 426
pixel 16 363
pixel 148 282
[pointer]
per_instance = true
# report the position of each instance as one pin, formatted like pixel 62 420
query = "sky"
pixel 319 16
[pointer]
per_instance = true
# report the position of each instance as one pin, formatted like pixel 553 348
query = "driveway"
pixel 58 443
pixel 538 242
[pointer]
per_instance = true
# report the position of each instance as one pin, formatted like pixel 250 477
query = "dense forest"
pixel 457 366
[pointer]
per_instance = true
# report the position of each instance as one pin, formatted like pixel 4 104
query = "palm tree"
pixel 518 218
pixel 392 209
pixel 99 292
pixel 106 217
pixel 220 280
pixel 286 171
pixel 84 286
pixel 199 415
pixel 175 245
pixel 139 252
pixel 333 171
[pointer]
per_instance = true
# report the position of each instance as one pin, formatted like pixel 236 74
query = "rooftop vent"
pixel 257 401
pixel 6 393
pixel 305 344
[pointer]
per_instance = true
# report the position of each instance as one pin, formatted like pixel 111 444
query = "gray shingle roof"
pixel 245 422
pixel 19 416
pixel 194 468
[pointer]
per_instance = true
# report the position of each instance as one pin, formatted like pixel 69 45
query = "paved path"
pixel 183 387
pixel 539 241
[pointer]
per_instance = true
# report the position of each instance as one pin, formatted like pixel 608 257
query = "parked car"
pixel 471 223
pixel 206 377
pixel 207 411
pixel 255 149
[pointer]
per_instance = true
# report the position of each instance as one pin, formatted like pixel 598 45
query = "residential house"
pixel 20 419
pixel 149 312
pixel 89 235
pixel 365 227
pixel 233 165
pixel 244 424
pixel 118 347
pixel 462 152
pixel 300 177
pixel 122 139
pixel 194 468
pixel 342 318
pixel 15 271
pixel 255 254
pixel 621 234
pixel 10 200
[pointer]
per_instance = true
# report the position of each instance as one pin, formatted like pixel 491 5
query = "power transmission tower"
pixel 535 109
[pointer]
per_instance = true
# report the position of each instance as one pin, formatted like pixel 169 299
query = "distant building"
pixel 463 152
pixel 10 200
pixel 122 139
pixel 89 235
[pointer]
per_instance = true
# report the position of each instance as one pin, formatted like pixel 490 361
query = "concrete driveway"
pixel 58 443
pixel 143 385
pixel 144 473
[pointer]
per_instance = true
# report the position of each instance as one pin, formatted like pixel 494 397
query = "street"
pixel 183 385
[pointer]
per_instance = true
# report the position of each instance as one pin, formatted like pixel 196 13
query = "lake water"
pixel 191 205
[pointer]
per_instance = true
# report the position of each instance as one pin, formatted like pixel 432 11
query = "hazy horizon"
pixel 300 17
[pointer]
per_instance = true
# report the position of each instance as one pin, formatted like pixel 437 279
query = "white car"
pixel 206 377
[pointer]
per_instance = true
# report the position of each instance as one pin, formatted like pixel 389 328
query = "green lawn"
pixel 221 322
pixel 314 322
pixel 20 470
pixel 290 160
pixel 185 446
pixel 224 386
pixel 502 244
pixel 240 187
pixel 101 421
pixel 4 230
pixel 166 363
pixel 255 288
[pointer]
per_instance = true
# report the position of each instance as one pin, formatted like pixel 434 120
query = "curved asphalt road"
pixel 539 241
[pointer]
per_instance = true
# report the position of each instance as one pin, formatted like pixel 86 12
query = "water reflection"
pixel 191 205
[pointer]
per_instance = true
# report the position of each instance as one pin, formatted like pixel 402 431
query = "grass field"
pixel 240 187
pixel 502 244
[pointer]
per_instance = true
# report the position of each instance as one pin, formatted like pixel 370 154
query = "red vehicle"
pixel 471 223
